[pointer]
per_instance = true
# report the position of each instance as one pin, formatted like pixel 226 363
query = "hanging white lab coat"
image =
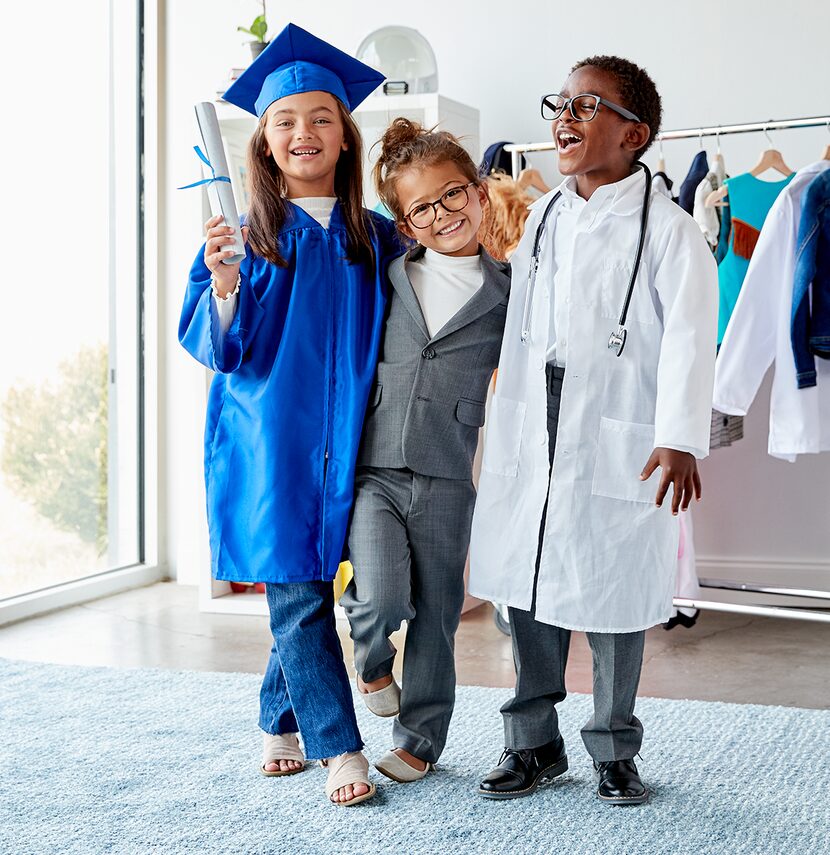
pixel 608 554
pixel 759 332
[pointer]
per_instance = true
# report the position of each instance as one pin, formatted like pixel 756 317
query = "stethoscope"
pixel 616 341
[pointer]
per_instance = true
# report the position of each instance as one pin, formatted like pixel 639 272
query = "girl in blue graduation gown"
pixel 292 333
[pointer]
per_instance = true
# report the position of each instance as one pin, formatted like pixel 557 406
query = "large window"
pixel 69 348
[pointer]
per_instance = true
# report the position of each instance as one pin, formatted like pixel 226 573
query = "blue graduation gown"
pixel 286 405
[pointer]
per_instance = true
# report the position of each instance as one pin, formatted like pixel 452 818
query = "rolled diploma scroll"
pixel 220 193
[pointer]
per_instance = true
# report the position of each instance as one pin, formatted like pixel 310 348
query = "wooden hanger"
pixel 713 200
pixel 826 155
pixel 661 161
pixel 770 158
pixel 532 178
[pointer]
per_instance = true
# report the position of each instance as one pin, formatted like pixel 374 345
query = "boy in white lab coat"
pixel 567 532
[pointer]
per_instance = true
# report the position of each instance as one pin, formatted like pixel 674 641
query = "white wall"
pixel 714 63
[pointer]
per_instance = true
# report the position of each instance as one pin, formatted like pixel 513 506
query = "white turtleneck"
pixel 443 284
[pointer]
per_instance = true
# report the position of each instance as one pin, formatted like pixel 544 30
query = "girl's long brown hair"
pixel 268 211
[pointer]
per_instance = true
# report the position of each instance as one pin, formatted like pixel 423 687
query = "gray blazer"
pixel 428 400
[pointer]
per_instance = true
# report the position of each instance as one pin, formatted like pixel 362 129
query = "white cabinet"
pixel 377 112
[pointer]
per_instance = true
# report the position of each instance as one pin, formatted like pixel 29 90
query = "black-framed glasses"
pixel 582 108
pixel 423 215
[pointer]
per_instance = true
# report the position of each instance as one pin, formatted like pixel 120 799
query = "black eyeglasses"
pixel 582 108
pixel 422 216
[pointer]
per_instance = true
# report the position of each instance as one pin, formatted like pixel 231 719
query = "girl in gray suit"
pixel 414 493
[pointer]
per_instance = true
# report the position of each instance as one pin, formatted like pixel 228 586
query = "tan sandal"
pixel 351 768
pixel 385 702
pixel 281 746
pixel 397 769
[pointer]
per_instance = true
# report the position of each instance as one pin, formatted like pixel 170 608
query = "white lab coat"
pixel 759 332
pixel 609 555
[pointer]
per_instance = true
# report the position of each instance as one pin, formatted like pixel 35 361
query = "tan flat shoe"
pixel 396 768
pixel 385 702
pixel 351 768
pixel 281 746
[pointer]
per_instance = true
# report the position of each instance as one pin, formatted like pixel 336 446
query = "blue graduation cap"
pixel 296 61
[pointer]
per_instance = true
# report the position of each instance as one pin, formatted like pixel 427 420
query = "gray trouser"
pixel 408 544
pixel 540 652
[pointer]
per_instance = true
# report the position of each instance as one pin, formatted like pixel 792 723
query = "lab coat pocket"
pixel 616 272
pixel 505 422
pixel 622 451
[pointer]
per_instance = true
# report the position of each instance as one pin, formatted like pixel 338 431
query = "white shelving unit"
pixel 377 112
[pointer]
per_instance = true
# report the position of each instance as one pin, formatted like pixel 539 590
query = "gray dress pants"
pixel 540 653
pixel 408 545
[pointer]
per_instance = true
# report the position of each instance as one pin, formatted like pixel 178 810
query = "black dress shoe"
pixel 520 771
pixel 619 783
pixel 682 620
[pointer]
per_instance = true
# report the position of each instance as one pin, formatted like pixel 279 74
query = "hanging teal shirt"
pixel 750 199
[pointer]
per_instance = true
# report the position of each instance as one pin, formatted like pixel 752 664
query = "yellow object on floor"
pixel 345 572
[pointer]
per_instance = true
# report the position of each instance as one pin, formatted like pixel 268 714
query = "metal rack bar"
pixel 517 149
pixel 760 611
pixel 746 128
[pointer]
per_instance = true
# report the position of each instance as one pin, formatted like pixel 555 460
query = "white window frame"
pixel 134 254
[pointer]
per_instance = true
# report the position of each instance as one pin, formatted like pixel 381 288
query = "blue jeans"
pixel 306 687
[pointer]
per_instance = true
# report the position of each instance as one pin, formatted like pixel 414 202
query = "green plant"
pixel 55 445
pixel 259 27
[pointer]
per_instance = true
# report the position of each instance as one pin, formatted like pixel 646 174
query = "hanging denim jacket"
pixel 810 330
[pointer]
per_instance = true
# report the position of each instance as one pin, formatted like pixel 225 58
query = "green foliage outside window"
pixel 55 445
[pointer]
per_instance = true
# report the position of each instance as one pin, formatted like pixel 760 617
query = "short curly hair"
pixel 637 91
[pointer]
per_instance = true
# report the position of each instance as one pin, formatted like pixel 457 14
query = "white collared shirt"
pixel 573 214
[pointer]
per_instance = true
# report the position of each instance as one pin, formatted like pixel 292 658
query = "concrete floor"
pixel 725 657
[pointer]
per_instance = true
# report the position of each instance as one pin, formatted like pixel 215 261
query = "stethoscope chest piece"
pixel 617 340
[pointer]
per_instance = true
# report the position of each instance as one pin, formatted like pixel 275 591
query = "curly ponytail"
pixel 406 144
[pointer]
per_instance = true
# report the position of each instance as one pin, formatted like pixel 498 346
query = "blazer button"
pixel 428 353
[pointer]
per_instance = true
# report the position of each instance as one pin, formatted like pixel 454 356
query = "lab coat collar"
pixel 624 197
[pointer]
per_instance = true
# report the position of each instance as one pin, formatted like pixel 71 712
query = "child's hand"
pixel 680 469
pixel 218 236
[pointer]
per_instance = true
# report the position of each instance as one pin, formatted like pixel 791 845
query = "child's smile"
pixel 567 139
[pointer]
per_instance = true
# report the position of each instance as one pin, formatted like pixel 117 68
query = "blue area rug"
pixel 103 760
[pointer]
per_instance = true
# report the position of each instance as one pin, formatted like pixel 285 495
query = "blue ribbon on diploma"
pixel 214 176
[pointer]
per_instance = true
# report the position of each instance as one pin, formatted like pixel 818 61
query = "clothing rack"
pixel 517 149
pixel 763 600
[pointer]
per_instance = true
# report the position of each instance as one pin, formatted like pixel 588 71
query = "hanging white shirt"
pixel 443 284
pixel 319 207
pixel 759 332
pixel 608 556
